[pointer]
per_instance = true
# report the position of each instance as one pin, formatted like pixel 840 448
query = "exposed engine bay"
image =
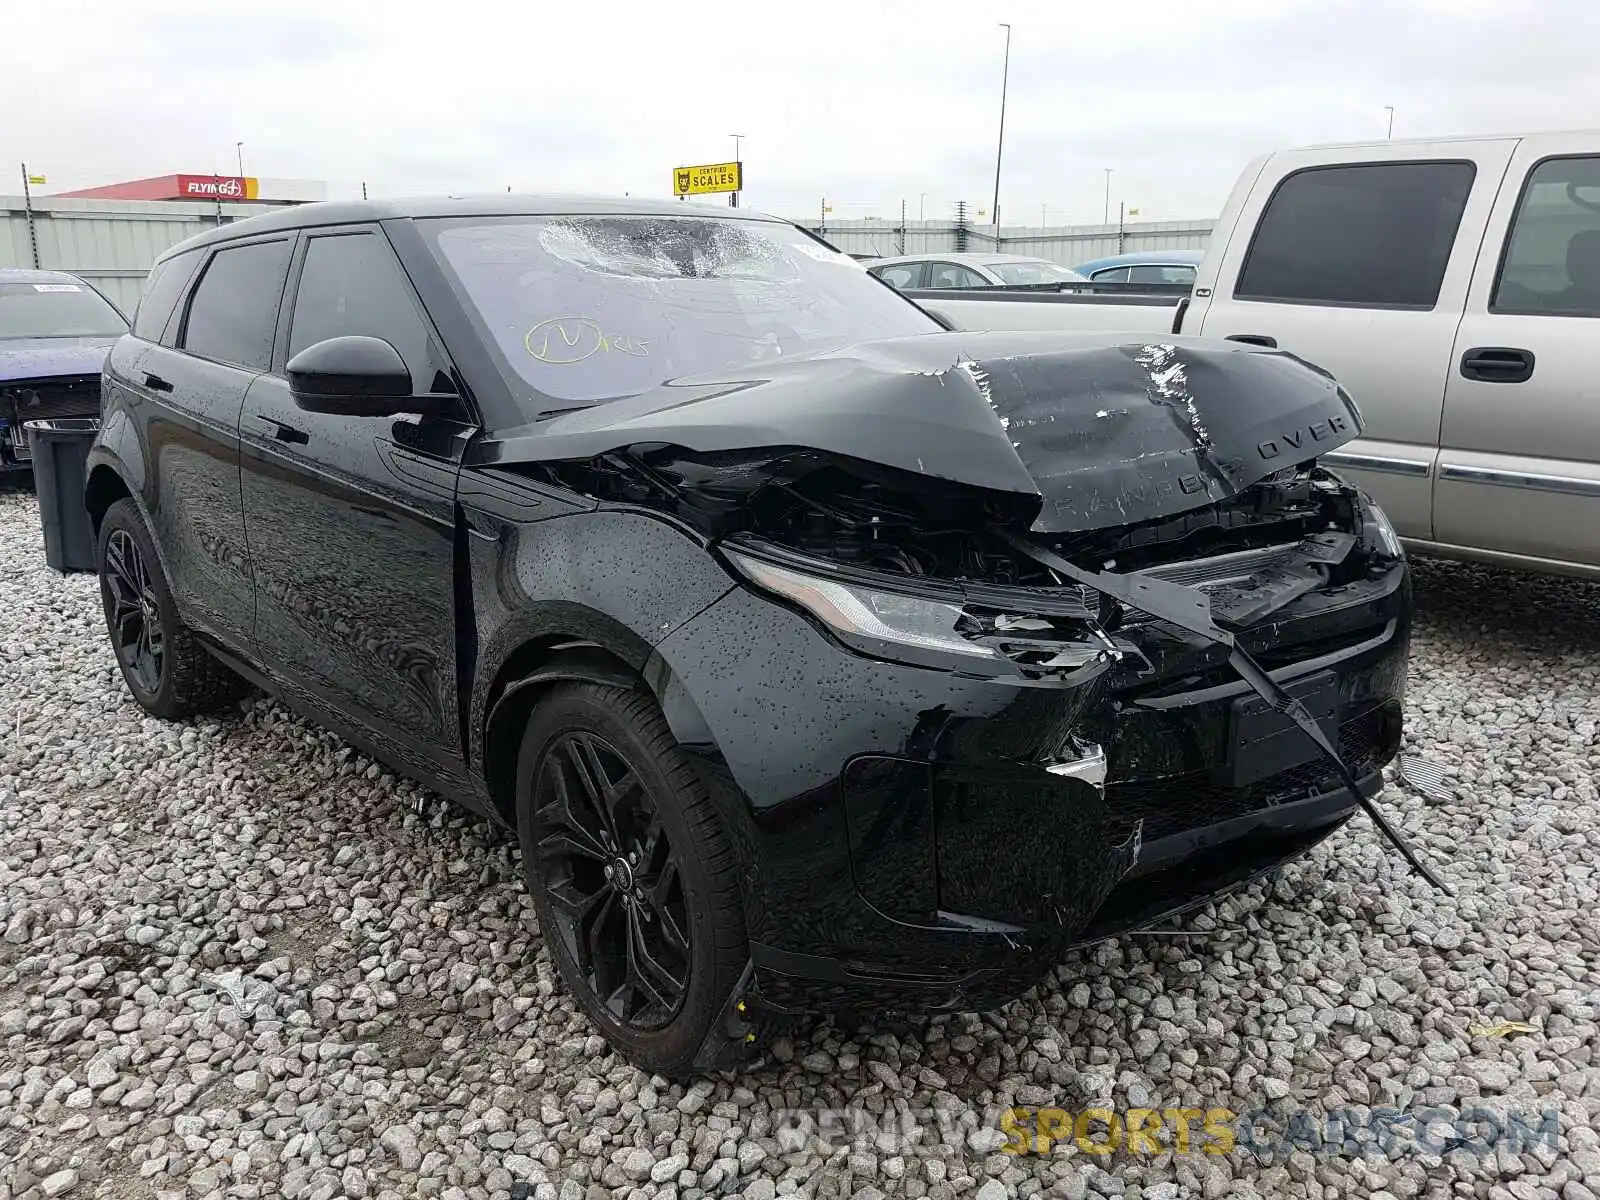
pixel 1301 527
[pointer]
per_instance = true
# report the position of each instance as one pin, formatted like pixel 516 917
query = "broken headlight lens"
pixel 861 612
pixel 1381 532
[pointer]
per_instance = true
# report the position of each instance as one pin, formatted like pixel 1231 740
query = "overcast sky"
pixel 866 103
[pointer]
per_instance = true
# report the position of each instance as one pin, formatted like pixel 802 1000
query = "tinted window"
pixel 901 275
pixel 1374 234
pixel 235 309
pixel 586 309
pixel 161 293
pixel 1112 275
pixel 351 284
pixel 953 275
pixel 1552 260
pixel 1150 273
pixel 56 307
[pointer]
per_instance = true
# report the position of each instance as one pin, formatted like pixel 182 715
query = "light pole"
pixel 1000 145
pixel 1389 108
pixel 733 197
pixel 1105 218
pixel 238 148
pixel 922 204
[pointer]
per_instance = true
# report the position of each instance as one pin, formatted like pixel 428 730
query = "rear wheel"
pixel 167 670
pixel 631 873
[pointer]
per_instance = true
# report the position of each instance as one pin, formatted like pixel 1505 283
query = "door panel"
pixel 193 431
pixel 1360 315
pixel 225 330
pixel 351 520
pixel 1519 464
pixel 352 541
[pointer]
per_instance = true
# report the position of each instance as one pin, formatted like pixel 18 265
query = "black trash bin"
pixel 60 469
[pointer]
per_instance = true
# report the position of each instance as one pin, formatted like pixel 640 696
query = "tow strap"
pixel 1190 609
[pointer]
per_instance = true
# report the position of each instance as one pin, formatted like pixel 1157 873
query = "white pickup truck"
pixel 1453 286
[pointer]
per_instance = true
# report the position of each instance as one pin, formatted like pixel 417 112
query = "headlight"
pixel 860 612
pixel 920 629
pixel 1381 532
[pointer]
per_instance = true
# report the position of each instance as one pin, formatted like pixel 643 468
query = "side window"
pixel 901 275
pixel 954 275
pixel 234 312
pixel 351 284
pixel 1370 234
pixel 1112 275
pixel 1551 264
pixel 1161 274
pixel 162 291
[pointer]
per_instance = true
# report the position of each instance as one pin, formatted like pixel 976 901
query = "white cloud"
pixel 865 104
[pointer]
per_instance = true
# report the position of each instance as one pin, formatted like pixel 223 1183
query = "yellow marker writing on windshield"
pixel 563 341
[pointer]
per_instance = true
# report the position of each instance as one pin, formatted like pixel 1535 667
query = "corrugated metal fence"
pixel 113 243
pixel 1064 244
pixel 110 243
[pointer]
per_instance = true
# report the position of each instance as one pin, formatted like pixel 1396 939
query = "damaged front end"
pixel 1194 637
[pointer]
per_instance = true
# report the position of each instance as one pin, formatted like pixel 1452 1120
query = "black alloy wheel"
pixel 632 873
pixel 166 668
pixel 133 612
pixel 614 880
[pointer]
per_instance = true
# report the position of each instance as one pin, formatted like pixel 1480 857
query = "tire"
pixel 179 679
pixel 574 858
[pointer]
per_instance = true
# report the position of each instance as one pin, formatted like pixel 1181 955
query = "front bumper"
pixel 905 841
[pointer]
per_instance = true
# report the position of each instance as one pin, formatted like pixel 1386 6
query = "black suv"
pixel 819 657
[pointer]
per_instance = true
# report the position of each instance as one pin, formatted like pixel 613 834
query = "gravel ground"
pixel 237 960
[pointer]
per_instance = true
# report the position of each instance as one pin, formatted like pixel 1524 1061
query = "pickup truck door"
pixel 1358 260
pixel 1519 459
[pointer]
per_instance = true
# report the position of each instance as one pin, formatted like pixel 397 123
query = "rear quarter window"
pixel 1374 235
pixel 162 291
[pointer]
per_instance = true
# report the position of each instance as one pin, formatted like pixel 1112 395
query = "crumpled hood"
pixel 1099 432
pixel 43 358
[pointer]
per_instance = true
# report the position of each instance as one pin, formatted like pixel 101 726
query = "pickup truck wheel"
pixel 169 673
pixel 631 873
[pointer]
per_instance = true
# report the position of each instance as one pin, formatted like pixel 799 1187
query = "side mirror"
pixel 355 376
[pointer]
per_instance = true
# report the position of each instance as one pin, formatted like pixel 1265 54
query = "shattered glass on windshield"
pixel 588 309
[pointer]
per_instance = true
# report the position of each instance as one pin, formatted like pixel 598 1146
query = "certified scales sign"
pixel 708 179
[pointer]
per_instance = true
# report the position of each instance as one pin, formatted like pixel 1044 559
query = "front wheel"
pixel 169 673
pixel 631 873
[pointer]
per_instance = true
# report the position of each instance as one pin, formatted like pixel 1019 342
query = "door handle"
pixel 1255 339
pixel 1497 364
pixel 157 384
pixel 285 433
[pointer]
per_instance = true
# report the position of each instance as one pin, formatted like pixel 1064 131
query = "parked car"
pixel 1453 286
pixel 1143 266
pixel 969 270
pixel 807 648
pixel 55 330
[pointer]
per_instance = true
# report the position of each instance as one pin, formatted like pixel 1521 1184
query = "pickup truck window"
pixel 1372 235
pixel 1551 264
pixel 585 309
